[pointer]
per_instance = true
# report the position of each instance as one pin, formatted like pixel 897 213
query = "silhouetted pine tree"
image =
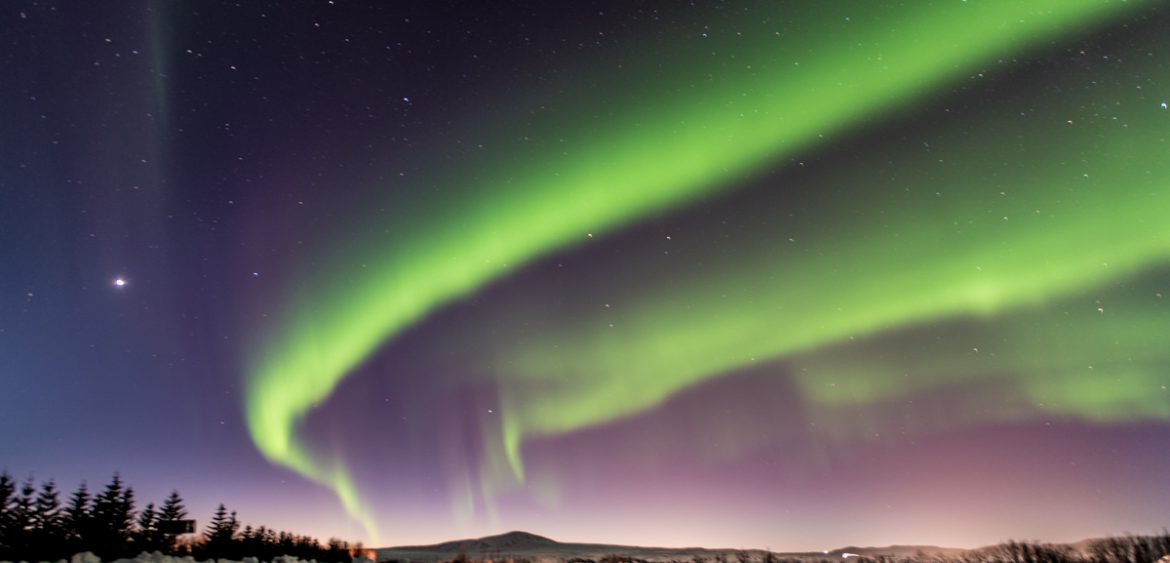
pixel 247 541
pixel 77 521
pixel 7 495
pixel 146 535
pixel 217 525
pixel 125 514
pixel 172 509
pixel 219 538
pixel 233 525
pixel 47 534
pixel 113 516
pixel 18 522
pixel 268 543
pixel 285 542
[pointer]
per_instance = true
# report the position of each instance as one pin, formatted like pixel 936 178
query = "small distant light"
pixel 119 282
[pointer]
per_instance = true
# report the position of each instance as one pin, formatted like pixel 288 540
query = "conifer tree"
pixel 220 534
pixel 218 524
pixel 78 521
pixel 7 496
pixel 112 519
pixel 267 542
pixel 146 535
pixel 18 522
pixel 285 542
pixel 125 514
pixel 172 510
pixel 47 508
pixel 106 503
pixel 248 537
pixel 47 532
pixel 233 525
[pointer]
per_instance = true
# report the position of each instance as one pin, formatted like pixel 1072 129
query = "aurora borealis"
pixel 853 274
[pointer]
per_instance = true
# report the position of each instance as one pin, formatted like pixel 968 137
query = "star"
pixel 119 282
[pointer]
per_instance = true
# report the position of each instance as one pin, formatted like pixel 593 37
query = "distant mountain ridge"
pixel 502 542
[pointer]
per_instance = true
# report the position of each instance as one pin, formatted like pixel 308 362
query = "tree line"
pixel 1126 549
pixel 35 525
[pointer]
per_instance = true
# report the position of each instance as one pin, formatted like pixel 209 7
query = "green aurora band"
pixel 1015 258
pixel 694 129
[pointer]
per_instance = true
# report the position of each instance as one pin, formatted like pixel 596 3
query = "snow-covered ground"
pixel 157 557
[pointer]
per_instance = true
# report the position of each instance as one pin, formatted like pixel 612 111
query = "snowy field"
pixel 157 557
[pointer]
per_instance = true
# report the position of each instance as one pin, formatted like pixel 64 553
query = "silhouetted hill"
pixel 509 542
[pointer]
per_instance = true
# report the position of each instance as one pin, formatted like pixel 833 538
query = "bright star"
pixel 119 282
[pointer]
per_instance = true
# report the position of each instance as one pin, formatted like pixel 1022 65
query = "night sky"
pixel 735 274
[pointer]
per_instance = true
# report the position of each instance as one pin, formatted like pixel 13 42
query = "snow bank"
pixel 157 557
